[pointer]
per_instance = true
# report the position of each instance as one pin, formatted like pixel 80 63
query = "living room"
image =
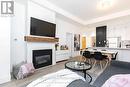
pixel 50 36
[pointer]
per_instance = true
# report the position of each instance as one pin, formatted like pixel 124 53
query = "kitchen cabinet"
pixel 62 55
pixel 114 42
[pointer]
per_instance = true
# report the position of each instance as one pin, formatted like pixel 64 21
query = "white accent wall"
pixel 37 11
pixel 40 12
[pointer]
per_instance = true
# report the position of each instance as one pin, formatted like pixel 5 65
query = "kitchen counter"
pixel 108 48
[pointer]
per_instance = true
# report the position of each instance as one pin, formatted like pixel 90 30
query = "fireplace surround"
pixel 42 58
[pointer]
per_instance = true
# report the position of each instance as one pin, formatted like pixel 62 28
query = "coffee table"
pixel 79 66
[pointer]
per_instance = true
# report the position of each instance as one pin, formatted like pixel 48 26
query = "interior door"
pixel 83 42
pixel 101 36
pixel 69 39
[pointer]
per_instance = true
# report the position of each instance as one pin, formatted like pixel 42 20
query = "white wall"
pixel 21 27
pixel 89 32
pixel 40 12
pixel 64 26
pixel 119 27
pixel 18 31
pixel 5 49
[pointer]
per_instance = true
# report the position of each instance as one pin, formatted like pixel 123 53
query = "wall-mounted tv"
pixel 42 28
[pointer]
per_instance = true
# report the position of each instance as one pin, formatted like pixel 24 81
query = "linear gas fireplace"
pixel 42 58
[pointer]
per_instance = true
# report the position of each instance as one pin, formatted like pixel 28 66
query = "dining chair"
pixel 100 59
pixel 115 56
pixel 88 56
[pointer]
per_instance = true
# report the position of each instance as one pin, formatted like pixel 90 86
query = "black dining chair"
pixel 88 56
pixel 115 56
pixel 100 59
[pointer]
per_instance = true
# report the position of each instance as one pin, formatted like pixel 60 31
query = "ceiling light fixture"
pixel 105 4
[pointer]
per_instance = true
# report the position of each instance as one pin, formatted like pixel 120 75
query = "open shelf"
pixel 40 39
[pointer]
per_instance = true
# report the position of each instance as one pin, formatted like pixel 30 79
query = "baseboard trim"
pixel 62 60
pixel 5 79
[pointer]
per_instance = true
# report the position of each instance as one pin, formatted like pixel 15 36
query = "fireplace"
pixel 42 58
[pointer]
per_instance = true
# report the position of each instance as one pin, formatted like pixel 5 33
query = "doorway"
pixel 83 42
pixel 69 39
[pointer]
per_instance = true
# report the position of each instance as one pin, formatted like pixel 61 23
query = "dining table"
pixel 108 53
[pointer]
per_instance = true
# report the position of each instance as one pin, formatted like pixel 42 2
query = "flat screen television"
pixel 42 28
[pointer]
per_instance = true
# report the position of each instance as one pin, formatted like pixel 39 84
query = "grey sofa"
pixel 116 67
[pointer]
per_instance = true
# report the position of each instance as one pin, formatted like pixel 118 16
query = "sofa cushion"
pixel 121 64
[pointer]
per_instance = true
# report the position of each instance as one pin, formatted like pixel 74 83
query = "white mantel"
pixel 40 46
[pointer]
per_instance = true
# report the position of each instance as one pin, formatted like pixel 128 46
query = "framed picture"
pixel 76 42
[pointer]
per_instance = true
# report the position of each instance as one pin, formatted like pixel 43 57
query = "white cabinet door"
pixel 112 45
pixel 113 42
pixel 62 55
pixel 124 55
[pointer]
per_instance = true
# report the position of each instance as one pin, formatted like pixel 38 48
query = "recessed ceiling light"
pixel 105 4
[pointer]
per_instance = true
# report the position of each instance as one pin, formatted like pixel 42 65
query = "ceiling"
pixel 90 9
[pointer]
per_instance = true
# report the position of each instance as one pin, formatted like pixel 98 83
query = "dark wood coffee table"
pixel 79 66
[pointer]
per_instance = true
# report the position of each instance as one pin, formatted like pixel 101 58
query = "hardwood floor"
pixel 43 71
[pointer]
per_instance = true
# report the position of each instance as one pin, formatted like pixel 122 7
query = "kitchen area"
pixel 106 39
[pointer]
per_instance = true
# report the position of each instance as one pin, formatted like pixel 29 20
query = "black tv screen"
pixel 42 28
